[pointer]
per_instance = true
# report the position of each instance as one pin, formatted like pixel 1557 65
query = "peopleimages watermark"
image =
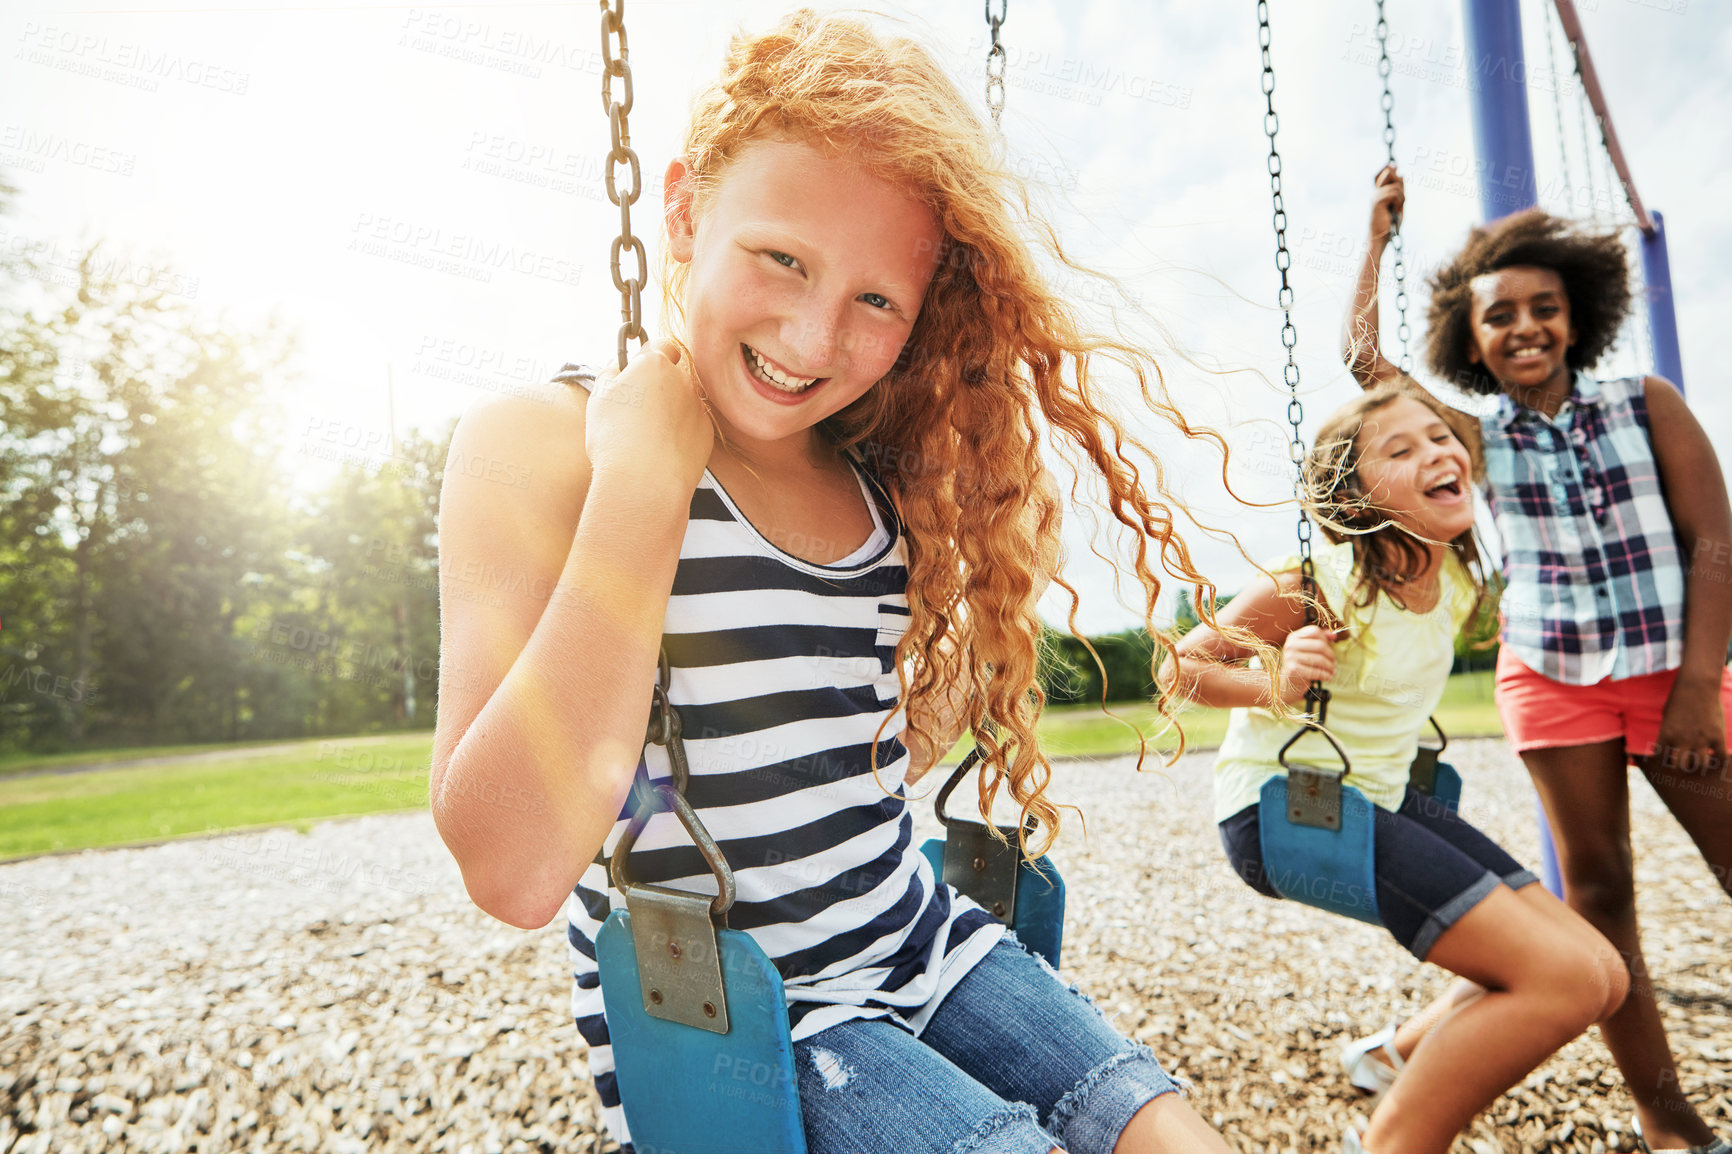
pixel 463 254
pixel 122 62
pixel 537 164
pixel 306 863
pixel 327 654
pixel 516 51
pixel 1077 79
pixel 30 151
pixel 488 367
pixel 68 267
pixel 72 690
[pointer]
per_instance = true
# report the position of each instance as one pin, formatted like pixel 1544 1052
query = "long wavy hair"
pixel 1386 556
pixel 996 363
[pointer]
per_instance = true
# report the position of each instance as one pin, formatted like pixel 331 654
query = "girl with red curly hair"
pixel 824 498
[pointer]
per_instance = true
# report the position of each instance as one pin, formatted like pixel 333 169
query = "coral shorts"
pixel 1539 713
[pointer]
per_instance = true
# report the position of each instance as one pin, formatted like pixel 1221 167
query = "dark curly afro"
pixel 1596 279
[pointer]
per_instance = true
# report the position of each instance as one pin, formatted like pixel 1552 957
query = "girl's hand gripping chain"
pixel 1307 655
pixel 1387 203
pixel 649 422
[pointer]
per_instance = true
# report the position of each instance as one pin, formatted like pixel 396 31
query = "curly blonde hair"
pixel 995 362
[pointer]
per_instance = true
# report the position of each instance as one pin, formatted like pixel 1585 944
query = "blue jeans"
pixel 1014 1060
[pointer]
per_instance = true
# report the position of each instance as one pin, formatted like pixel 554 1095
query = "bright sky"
pixel 418 191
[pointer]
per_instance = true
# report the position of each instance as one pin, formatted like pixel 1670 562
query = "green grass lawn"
pixel 26 762
pixel 1084 731
pixel 320 779
pixel 336 777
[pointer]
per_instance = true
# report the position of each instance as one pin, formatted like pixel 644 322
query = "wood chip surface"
pixel 336 991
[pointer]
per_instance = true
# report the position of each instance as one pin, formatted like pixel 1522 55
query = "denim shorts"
pixel 1431 867
pixel 1014 1061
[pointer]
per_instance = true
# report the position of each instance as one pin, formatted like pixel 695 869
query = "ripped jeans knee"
pixel 1096 1111
pixel 1014 1059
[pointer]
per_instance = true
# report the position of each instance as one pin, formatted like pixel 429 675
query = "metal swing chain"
pixel 1582 111
pixel 664 726
pixel 1384 68
pixel 1316 697
pixel 995 62
pixel 1558 111
pixel 619 64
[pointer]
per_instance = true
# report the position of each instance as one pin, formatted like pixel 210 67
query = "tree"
pixel 140 473
pixel 371 544
pixel 1069 674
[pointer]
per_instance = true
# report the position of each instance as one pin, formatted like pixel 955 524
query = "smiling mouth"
pixel 1528 352
pixel 771 374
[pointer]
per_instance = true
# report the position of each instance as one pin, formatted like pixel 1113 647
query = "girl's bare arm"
pixel 1211 668
pixel 554 590
pixel 1359 333
pixel 1696 499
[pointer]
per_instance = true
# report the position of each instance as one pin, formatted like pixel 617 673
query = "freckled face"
pixel 1520 327
pixel 1413 468
pixel 807 275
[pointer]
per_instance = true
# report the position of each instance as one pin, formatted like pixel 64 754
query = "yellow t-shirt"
pixel 1390 672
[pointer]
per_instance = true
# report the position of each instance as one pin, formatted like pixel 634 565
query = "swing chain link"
pixel 618 64
pixel 649 798
pixel 1316 698
pixel 1387 101
pixel 995 62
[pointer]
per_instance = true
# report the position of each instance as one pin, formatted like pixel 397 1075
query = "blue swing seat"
pixel 1318 834
pixel 1039 917
pixel 1029 897
pixel 1332 869
pixel 690 1090
pixel 704 1059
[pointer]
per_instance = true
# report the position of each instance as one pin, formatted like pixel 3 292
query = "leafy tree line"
pixel 1069 675
pixel 160 579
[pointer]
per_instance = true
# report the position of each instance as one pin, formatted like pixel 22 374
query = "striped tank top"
pixel 782 671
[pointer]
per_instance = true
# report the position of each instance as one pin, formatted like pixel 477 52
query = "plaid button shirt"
pixel 1593 571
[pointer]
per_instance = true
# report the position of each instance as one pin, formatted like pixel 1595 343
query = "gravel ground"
pixel 336 991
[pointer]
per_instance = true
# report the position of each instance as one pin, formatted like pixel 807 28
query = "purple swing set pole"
pixel 1497 83
pixel 1662 321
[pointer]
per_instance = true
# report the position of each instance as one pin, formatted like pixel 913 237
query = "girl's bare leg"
pixel 1412 1032
pixel 1544 980
pixel 1700 797
pixel 1168 1125
pixel 1586 793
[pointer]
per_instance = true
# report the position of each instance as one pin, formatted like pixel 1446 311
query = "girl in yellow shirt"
pixel 1389 481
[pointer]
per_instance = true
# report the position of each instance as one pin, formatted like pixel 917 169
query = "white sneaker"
pixel 1366 1071
pixel 1717 1146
